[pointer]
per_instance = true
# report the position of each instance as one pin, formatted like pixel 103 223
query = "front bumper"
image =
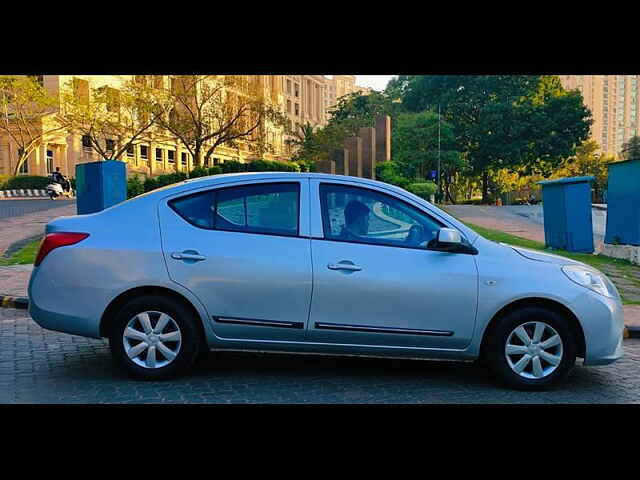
pixel 602 322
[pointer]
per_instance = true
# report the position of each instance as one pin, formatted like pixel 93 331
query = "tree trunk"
pixel 485 187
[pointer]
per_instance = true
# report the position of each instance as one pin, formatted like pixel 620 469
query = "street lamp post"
pixel 439 190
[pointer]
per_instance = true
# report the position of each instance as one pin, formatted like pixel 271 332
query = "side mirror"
pixel 449 238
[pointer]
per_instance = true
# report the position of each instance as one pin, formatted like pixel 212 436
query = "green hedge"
pixel 26 181
pixel 136 187
pixel 422 189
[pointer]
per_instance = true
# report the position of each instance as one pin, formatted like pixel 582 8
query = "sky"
pixel 377 82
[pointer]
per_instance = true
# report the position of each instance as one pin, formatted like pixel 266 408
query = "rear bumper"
pixel 60 322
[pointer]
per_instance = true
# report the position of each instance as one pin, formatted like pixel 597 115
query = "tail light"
pixel 55 240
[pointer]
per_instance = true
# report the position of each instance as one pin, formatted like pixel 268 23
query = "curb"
pixel 631 332
pixel 7 301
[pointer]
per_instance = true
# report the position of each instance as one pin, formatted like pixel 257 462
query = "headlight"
pixel 591 279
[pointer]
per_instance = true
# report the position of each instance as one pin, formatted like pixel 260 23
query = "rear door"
pixel 244 251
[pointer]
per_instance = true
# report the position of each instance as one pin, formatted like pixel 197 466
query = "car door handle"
pixel 188 256
pixel 344 266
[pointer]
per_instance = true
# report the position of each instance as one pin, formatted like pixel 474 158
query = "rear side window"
pixel 271 209
pixel 197 209
pixel 264 208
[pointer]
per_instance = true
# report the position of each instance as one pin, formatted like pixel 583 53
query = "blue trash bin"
pixel 623 203
pixel 566 205
pixel 100 185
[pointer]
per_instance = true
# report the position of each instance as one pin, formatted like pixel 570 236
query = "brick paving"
pixel 41 366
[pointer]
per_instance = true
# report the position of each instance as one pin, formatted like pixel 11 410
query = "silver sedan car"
pixel 315 263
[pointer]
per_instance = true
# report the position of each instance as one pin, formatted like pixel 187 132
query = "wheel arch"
pixel 124 297
pixel 538 302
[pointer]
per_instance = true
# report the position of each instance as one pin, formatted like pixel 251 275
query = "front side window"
pixel 263 208
pixel 360 215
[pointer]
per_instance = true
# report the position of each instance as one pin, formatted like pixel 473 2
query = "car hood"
pixel 543 257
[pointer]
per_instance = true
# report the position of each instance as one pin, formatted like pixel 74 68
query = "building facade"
pixel 303 98
pixel 614 104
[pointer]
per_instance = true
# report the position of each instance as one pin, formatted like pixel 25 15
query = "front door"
pixel 241 251
pixel 375 280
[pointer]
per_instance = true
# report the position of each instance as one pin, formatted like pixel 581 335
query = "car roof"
pixel 192 183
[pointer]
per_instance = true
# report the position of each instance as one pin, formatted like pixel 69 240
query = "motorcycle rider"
pixel 58 177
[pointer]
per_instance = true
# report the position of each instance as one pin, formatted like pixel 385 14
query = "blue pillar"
pixel 100 185
pixel 623 203
pixel 566 205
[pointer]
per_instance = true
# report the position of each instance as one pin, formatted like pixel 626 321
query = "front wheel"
pixel 154 338
pixel 531 349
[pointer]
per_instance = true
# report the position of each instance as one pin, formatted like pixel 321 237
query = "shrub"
pixel 233 166
pixel 27 181
pixel 150 184
pixel 198 172
pixel 3 179
pixel 215 170
pixel 422 189
pixel 134 186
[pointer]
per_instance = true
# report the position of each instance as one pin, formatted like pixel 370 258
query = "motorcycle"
pixel 55 190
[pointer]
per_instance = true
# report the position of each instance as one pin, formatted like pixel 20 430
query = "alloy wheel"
pixel 152 339
pixel 534 350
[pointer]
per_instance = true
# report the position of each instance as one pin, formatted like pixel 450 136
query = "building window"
pixel 111 145
pixel 288 106
pixel 183 159
pixel 206 163
pixel 297 89
pixel 158 154
pixel 297 109
pixel 144 151
pixel 130 151
pixel 289 87
pixel 49 161
pixel 171 156
pixel 86 143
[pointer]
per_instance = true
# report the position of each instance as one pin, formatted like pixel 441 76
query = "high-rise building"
pixel 613 101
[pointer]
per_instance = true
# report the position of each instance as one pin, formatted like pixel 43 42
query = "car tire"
pixel 540 373
pixel 167 354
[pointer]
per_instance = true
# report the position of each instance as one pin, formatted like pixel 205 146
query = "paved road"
pixel 16 208
pixel 40 366
pixel 521 220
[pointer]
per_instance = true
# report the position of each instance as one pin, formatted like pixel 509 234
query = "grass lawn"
pixel 26 255
pixel 619 271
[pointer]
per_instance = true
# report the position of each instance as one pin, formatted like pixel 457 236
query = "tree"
pixel 307 144
pixel 28 114
pixel 210 111
pixel 504 121
pixel 111 119
pixel 587 162
pixel 416 146
pixel 355 110
pixel 631 148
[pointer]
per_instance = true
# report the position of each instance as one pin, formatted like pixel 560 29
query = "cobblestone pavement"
pixel 40 366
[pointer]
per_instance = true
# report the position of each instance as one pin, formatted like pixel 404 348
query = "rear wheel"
pixel 154 338
pixel 531 348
